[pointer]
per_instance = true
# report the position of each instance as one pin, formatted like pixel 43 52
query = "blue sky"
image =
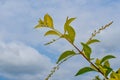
pixel 23 55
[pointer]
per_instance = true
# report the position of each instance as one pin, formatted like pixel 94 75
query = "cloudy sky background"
pixel 23 55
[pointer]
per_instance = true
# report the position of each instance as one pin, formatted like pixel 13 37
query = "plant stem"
pixel 80 52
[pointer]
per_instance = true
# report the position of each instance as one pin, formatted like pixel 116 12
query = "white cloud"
pixel 22 62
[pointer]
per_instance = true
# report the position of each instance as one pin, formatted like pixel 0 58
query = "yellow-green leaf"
pixel 66 36
pixel 84 70
pixel 104 70
pixel 40 24
pixel 48 21
pixel 107 64
pixel 52 32
pixel 87 50
pixel 97 62
pixel 71 33
pixel 92 41
pixel 65 54
pixel 67 23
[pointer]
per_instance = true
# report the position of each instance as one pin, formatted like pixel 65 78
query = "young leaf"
pixel 87 50
pixel 67 23
pixel 84 70
pixel 92 41
pixel 48 21
pixel 65 55
pixel 97 62
pixel 107 58
pixel 41 24
pixel 52 32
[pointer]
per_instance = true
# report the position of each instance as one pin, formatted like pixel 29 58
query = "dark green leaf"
pixel 92 41
pixel 108 71
pixel 107 58
pixel 65 54
pixel 87 50
pixel 84 70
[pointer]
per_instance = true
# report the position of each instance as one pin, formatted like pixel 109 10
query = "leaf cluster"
pixel 101 66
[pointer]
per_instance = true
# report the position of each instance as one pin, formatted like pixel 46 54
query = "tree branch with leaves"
pixel 101 66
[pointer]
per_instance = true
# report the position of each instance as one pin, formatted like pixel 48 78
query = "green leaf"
pixel 65 54
pixel 84 70
pixel 104 70
pixel 108 71
pixel 48 21
pixel 71 33
pixel 87 50
pixel 66 36
pixel 107 64
pixel 52 32
pixel 92 41
pixel 107 58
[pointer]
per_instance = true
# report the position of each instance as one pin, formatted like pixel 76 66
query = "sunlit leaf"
pixel 71 33
pixel 97 62
pixel 87 50
pixel 92 41
pixel 52 32
pixel 84 70
pixel 114 76
pixel 104 70
pixel 67 23
pixel 66 36
pixel 93 67
pixel 107 58
pixel 106 64
pixel 65 55
pixel 40 24
pixel 48 21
